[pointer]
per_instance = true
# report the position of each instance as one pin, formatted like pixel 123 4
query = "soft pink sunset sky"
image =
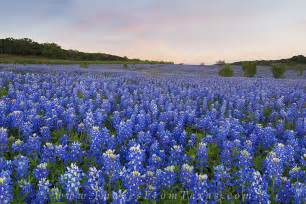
pixel 192 31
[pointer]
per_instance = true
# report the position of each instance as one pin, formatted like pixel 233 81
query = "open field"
pixel 204 71
pixel 98 135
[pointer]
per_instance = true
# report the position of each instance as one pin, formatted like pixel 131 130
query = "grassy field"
pixel 13 59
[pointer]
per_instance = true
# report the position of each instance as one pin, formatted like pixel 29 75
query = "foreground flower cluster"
pixel 118 138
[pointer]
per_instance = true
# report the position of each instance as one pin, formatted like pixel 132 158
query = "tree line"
pixel 299 59
pixel 28 47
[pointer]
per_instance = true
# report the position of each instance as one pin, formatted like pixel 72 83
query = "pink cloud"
pixel 150 20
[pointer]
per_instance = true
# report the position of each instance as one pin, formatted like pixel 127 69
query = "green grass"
pixel 213 151
pixel 213 157
pixel 14 59
pixel 267 112
pixel 80 94
pixel 109 126
pixel 3 91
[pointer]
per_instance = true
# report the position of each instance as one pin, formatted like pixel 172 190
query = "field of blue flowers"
pixel 122 137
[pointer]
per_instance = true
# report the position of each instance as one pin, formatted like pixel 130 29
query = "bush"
pixel 226 71
pixel 249 69
pixel 84 65
pixel 125 66
pixel 301 71
pixel 278 70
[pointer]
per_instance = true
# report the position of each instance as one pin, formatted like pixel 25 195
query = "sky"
pixel 183 31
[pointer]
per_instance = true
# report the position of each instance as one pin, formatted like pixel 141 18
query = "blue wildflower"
pixel 21 164
pixel 27 190
pixel 135 157
pixel 61 152
pixel 119 197
pixel 18 146
pixel 111 167
pixel 299 190
pixel 3 141
pixel 71 182
pixel 6 187
pixel 273 166
pixel 166 177
pixel 76 152
pixel 33 146
pixel 202 155
pixel 285 193
pixel 43 192
pixel 186 176
pixel 41 171
pixel 258 189
pixel 45 133
pixel 94 186
pixel 48 153
pixel 200 189
pixel 132 181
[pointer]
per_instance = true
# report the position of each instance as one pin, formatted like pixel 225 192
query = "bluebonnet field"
pixel 118 136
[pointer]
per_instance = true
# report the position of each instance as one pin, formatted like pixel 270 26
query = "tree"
pixel 27 47
pixel 278 70
pixel 226 71
pixel 249 69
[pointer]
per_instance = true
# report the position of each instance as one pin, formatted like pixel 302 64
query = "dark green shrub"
pixel 249 69
pixel 125 66
pixel 301 71
pixel 278 70
pixel 226 71
pixel 84 65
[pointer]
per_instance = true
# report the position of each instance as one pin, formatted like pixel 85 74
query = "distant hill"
pixel 299 59
pixel 26 47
